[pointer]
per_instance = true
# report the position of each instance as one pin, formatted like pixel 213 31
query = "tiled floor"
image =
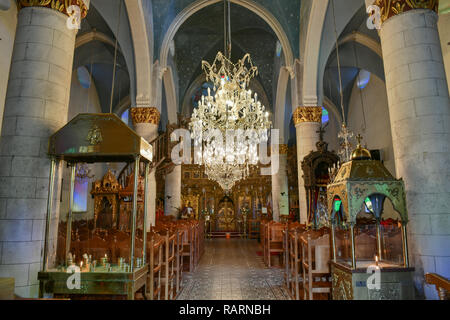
pixel 230 269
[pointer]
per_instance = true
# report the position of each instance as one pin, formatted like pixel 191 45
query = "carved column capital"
pixel 145 115
pixel 58 5
pixel 391 8
pixel 307 114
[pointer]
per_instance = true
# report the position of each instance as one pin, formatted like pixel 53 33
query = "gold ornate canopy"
pixel 360 178
pixel 91 137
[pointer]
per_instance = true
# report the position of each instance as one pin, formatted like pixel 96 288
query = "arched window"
pixel 363 78
pixel 202 91
pixel 325 116
pixel 84 77
pixel 80 194
pixel 126 116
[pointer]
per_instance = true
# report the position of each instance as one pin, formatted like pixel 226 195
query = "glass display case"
pixel 368 216
pixel 95 236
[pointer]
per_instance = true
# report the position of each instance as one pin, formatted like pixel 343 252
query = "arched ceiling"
pixel 353 56
pixel 98 58
pixel 201 37
pixel 287 12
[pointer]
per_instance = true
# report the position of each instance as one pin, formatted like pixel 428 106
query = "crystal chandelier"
pixel 83 171
pixel 230 109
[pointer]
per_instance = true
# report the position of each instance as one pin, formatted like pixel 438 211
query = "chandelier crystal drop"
pixel 229 122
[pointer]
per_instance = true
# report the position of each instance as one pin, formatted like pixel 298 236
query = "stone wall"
pixel 8 22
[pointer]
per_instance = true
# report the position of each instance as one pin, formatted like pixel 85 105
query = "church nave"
pixel 231 269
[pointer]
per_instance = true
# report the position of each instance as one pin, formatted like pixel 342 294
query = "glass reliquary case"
pixel 95 239
pixel 367 207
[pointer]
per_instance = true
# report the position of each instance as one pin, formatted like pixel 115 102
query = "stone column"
pixel 146 122
pixel 172 192
pixel 419 112
pixel 36 106
pixel 307 122
pixel 280 189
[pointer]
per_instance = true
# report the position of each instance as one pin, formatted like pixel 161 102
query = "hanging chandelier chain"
pixel 360 90
pixel 115 59
pixel 339 64
pixel 229 30
pixel 229 108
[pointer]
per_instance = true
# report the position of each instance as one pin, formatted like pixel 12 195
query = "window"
pixel 80 195
pixel 84 77
pixel 363 78
pixel 125 116
pixel 325 116
pixel 202 91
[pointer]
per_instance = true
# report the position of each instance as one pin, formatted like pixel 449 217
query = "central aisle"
pixel 232 270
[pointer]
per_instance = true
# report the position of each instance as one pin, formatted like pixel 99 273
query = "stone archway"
pixel 200 4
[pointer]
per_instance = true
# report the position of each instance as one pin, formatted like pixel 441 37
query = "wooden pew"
pixel 316 263
pixel 155 244
pixel 169 260
pixel 442 285
pixel 254 226
pixel 295 269
pixel 179 259
pixel 274 241
pixel 7 288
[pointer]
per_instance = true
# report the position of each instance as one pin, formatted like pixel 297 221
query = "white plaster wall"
pixel 79 98
pixel 444 34
pixel 79 103
pixel 376 130
pixel 8 23
pixel 331 132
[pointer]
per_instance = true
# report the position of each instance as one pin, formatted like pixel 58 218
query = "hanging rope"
pixel 339 65
pixel 225 38
pixel 115 59
pixel 360 90
pixel 90 84
pixel 229 30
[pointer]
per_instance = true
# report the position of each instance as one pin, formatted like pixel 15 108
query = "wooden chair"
pixel 155 260
pixel 286 274
pixel 168 264
pixel 442 285
pixel 7 288
pixel 201 238
pixel 264 231
pixel 196 238
pixel 316 263
pixel 188 248
pixel 295 285
pixel 274 241
pixel 254 228
pixel 179 259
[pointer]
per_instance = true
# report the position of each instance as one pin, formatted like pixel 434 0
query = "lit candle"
pixel 376 260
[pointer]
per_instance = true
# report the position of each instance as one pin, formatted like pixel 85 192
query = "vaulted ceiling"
pixel 202 36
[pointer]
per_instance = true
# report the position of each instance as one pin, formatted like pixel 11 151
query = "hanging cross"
pixel 359 138
pixel 321 132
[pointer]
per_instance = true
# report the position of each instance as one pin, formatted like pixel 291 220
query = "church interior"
pixel 225 149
